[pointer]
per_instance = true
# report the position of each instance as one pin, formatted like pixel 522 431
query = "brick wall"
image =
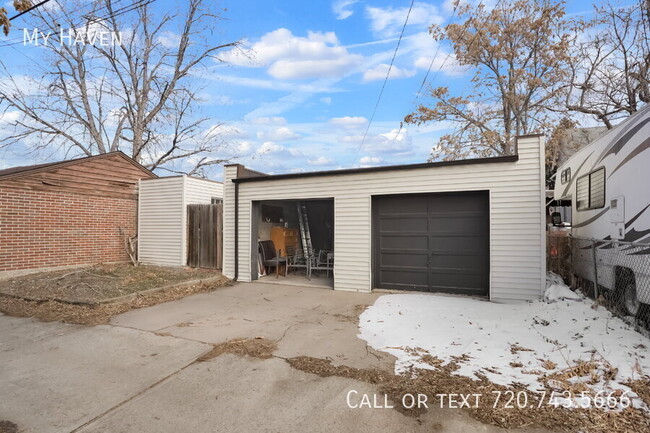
pixel 46 229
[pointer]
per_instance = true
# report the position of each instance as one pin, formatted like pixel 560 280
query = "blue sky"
pixel 302 97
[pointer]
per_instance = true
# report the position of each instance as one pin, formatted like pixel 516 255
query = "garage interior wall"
pixel 162 216
pixel 516 197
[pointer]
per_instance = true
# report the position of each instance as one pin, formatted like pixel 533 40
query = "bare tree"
pixel 610 68
pixel 517 52
pixel 138 94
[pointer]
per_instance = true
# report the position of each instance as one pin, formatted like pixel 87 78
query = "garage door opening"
pixel 432 242
pixel 301 232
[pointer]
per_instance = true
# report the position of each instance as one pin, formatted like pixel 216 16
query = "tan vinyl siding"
pixel 516 216
pixel 162 226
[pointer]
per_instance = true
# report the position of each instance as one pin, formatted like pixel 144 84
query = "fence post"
pixel 593 257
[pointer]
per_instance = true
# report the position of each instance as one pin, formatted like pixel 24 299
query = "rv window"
pixel 565 177
pixel 590 190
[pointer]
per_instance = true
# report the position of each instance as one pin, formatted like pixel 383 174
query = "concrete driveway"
pixel 138 374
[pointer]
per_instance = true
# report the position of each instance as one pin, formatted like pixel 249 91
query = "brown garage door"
pixel 432 242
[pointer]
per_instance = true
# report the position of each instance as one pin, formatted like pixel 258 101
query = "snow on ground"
pixel 509 342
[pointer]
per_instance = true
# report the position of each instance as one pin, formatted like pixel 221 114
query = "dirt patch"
pixel 99 282
pixel 258 347
pixel 489 410
pixel 324 368
pixel 353 316
pixel 50 310
pixel 8 427
pixel 642 388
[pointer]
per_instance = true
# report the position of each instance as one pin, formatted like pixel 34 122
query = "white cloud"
pixel 367 161
pixel 268 84
pixel 9 117
pixel 379 73
pixel 395 141
pixel 321 160
pixel 342 8
pixel 443 62
pixel 286 56
pixel 244 147
pixel 269 147
pixel 169 39
pixel 349 122
pixel 326 100
pixel 388 22
pixel 229 131
pixel 265 120
pixel 278 134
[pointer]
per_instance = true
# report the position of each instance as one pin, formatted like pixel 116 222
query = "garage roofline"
pixel 491 160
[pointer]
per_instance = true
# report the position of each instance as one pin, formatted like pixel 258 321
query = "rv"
pixel 608 184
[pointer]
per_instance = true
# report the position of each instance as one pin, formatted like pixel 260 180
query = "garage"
pixel 467 227
pixel 432 242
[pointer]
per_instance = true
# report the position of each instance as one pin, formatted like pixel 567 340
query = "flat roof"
pixel 491 160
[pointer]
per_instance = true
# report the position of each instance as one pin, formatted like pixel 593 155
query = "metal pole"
pixel 593 256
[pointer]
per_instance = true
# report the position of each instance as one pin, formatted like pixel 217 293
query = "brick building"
pixel 68 213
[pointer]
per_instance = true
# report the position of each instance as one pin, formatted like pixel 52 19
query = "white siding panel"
pixel 160 218
pixel 517 256
pixel 201 191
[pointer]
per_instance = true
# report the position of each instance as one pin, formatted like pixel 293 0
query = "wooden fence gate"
pixel 205 238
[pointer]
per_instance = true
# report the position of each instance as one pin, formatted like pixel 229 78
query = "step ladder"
pixel 305 236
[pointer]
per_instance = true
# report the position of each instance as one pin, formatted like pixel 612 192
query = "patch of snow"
pixel 556 290
pixel 560 292
pixel 553 278
pixel 509 343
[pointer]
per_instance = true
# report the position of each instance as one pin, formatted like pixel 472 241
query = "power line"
pixel 116 13
pixel 390 67
pixel 28 10
pixel 471 42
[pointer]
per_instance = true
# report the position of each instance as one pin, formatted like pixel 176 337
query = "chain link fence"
pixel 614 273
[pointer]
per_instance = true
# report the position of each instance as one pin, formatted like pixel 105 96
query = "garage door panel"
pixel 464 244
pixel 409 242
pixel 396 225
pixel 405 279
pixel 458 226
pixel 432 242
pixel 402 205
pixel 405 259
pixel 468 263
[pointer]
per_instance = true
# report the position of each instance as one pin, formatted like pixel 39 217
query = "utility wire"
pixel 28 10
pixel 116 13
pixel 442 65
pixel 390 67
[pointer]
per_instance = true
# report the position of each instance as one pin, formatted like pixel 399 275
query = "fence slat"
pixel 205 234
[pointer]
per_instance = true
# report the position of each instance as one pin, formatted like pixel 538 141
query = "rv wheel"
pixel 631 302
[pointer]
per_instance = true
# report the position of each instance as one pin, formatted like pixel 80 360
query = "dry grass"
pixel 50 311
pixel 443 381
pixel 353 316
pixel 258 347
pixel 98 282
pixel 8 427
pixel 642 388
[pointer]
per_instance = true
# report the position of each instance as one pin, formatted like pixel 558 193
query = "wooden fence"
pixel 205 237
